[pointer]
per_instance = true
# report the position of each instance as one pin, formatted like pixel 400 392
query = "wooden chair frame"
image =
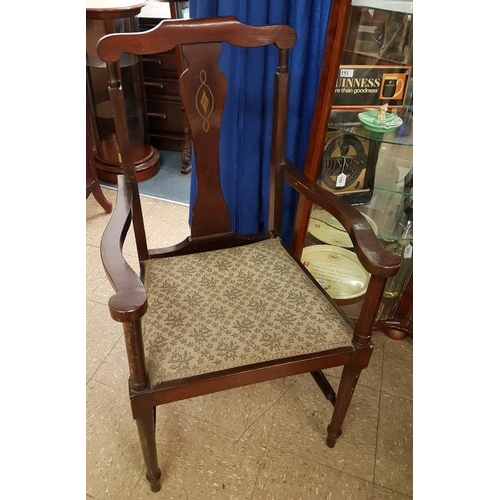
pixel 201 40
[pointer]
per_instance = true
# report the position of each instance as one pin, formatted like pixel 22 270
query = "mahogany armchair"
pixel 221 310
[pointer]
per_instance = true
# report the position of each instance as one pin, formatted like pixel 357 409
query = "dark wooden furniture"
pixel 221 310
pixel 105 18
pixel 167 122
pixel 93 185
pixel 343 47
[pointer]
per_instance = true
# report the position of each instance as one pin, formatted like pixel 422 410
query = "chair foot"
pixel 348 381
pixel 155 484
pixel 146 428
pixel 331 439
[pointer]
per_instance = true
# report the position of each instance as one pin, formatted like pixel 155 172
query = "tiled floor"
pixel 265 441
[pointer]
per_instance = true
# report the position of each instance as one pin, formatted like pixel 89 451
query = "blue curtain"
pixel 246 146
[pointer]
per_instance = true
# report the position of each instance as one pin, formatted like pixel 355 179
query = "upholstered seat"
pixel 238 306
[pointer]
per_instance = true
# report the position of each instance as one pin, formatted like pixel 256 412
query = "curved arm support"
pixel 372 255
pixel 130 302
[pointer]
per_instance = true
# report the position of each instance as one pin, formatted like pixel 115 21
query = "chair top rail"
pixel 170 33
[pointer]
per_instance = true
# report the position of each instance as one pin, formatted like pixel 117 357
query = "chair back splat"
pixel 222 310
pixel 203 91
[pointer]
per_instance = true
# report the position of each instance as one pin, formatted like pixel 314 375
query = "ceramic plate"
pixel 328 229
pixel 337 270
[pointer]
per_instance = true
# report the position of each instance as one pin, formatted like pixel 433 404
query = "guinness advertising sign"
pixel 344 167
pixel 371 86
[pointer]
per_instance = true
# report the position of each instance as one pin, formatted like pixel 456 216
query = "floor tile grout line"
pixel 140 477
pixel 197 418
pixel 260 416
pixel 102 383
pixel 398 493
pixel 337 379
pixel 398 396
pixel 94 301
pixel 373 489
pixel 308 459
pixel 104 359
pixel 386 393
pixel 266 451
pixel 225 428
pixel 378 420
pixel 331 467
pixel 166 421
pixel 93 246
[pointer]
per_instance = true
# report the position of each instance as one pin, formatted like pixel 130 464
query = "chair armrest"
pixel 372 255
pixel 130 302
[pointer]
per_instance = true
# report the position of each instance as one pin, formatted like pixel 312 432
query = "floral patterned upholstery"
pixel 217 310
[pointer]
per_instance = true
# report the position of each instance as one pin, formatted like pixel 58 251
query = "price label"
pixel 340 180
pixel 347 73
pixel 408 251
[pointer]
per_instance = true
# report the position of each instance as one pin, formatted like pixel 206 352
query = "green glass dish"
pixel 369 121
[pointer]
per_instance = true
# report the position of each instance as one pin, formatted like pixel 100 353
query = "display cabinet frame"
pixel 399 323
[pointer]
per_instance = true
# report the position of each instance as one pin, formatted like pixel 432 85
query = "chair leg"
pixel 348 381
pixel 146 428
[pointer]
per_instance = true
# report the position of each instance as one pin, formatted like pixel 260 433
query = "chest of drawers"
pixel 166 120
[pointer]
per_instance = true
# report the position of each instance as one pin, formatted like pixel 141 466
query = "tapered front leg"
pixel 147 431
pixel 350 376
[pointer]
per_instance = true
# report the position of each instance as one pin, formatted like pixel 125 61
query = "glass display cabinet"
pixel 117 16
pixel 361 149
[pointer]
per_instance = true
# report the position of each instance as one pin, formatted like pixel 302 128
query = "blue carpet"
pixel 168 184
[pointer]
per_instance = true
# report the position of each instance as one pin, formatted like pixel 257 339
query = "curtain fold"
pixel 247 145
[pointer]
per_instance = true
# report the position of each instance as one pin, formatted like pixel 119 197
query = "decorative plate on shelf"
pixel 337 270
pixel 369 121
pixel 328 229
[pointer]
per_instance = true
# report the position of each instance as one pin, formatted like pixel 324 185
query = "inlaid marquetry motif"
pixel 204 100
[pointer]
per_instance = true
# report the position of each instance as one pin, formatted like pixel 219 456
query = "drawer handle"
pixel 155 85
pixel 163 116
pixel 153 60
